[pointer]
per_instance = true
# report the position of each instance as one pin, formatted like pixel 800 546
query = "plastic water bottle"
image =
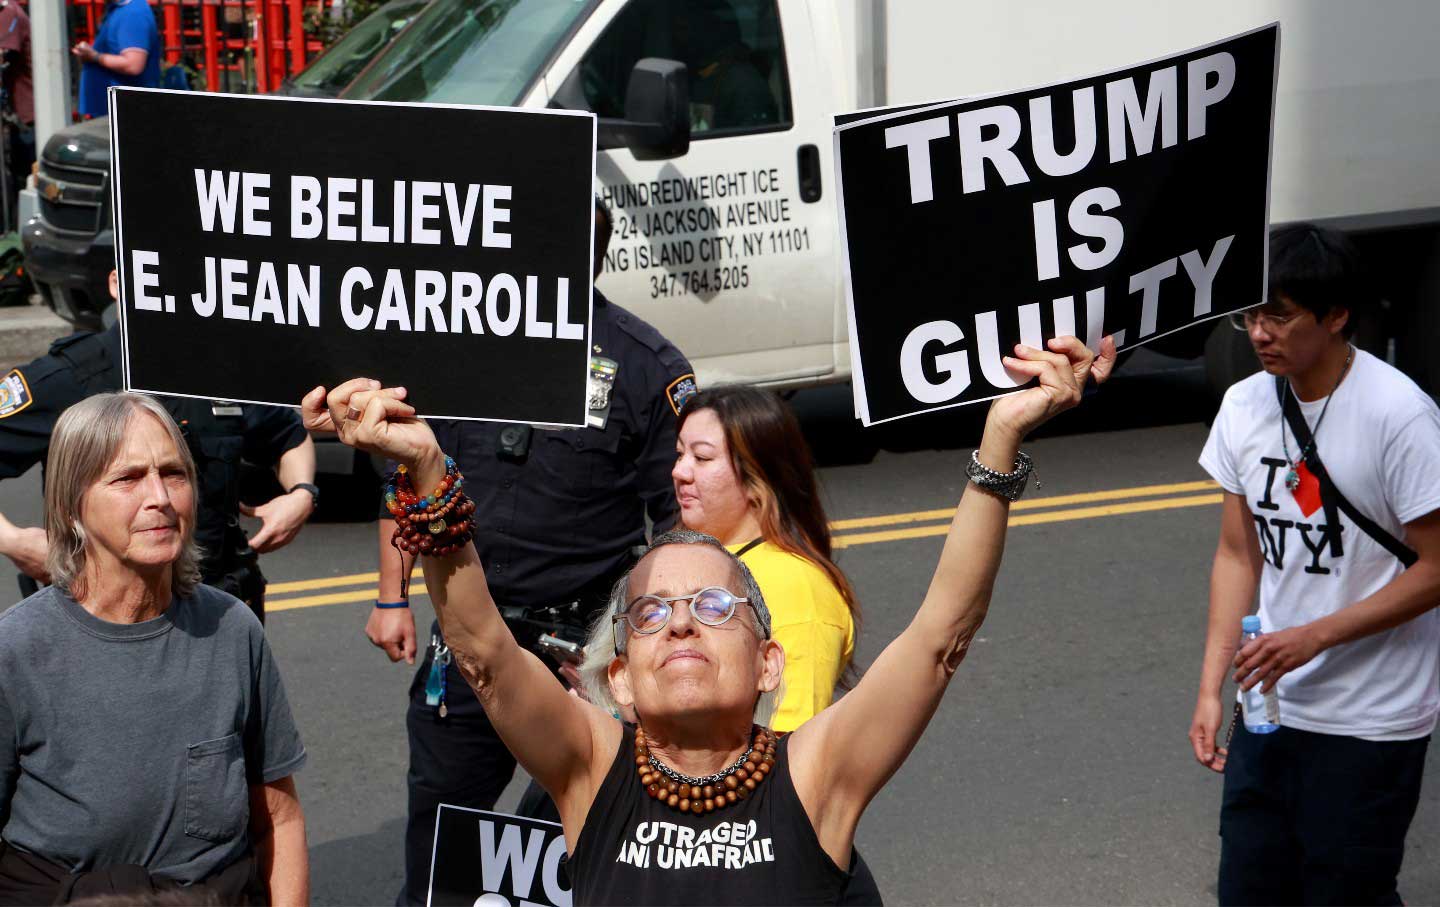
pixel 1261 710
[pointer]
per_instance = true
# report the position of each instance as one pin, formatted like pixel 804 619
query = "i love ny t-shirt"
pixel 1380 442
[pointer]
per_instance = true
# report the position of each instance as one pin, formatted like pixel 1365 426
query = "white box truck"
pixel 729 243
pixel 716 138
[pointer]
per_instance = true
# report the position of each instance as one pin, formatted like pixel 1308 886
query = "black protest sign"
pixel 493 859
pixel 1133 203
pixel 266 246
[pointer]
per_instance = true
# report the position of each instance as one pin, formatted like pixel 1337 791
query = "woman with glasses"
pixel 698 802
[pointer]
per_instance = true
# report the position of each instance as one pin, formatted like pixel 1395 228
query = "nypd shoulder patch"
pixel 14 393
pixel 680 390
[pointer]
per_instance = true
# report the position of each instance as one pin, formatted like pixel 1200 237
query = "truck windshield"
pixel 343 61
pixel 470 52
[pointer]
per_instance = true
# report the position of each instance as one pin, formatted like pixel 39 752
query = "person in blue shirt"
pixel 126 52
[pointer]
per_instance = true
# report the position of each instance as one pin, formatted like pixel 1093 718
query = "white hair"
pixel 606 641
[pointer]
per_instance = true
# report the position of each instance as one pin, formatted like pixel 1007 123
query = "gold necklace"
pixel 687 794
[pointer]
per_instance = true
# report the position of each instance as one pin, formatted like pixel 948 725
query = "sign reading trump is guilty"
pixel 272 245
pixel 1133 203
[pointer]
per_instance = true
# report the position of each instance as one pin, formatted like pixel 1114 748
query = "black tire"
pixel 1229 358
pixel 1419 320
pixel 349 499
pixel 827 420
pixel 353 498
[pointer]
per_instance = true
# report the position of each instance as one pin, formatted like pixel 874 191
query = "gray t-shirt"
pixel 138 743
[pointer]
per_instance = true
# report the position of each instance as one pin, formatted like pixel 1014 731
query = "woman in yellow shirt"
pixel 743 473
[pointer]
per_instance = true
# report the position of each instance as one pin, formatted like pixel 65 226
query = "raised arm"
pixel 890 708
pixel 563 742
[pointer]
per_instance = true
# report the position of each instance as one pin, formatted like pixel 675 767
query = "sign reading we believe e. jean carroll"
pixel 495 860
pixel 272 245
pixel 1132 203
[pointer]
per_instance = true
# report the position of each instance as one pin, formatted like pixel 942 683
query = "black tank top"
pixel 763 850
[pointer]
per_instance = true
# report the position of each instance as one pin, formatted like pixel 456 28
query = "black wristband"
pixel 314 491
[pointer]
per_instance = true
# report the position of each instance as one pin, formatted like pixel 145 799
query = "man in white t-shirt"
pixel 1317 811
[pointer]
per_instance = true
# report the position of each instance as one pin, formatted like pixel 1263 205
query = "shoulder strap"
pixel 1331 495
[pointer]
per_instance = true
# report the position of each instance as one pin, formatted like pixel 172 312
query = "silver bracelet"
pixel 1008 485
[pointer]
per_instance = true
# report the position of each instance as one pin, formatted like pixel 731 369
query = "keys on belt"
pixel 565 620
pixel 435 683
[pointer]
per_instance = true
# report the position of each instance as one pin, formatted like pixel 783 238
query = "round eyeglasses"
pixel 1247 320
pixel 711 606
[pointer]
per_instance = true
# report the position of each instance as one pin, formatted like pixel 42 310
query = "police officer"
pixel 558 512
pixel 220 435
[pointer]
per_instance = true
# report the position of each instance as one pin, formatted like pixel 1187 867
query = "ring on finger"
pixel 352 415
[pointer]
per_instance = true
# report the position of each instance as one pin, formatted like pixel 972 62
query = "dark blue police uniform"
pixel 555 528
pixel 220 435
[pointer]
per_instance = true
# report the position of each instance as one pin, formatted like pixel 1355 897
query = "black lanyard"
pixel 748 545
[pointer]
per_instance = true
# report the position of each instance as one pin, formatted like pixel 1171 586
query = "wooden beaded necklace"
pixel 703 795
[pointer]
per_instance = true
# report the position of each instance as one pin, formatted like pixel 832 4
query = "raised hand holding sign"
pixel 349 248
pixel 374 419
pixel 1131 204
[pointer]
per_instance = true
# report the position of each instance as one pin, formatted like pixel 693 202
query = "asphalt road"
pixel 1057 769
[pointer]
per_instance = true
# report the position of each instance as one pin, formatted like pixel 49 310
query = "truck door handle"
pixel 809 161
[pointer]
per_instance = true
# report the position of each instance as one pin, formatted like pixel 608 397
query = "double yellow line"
pixel 277 599
pixel 1056 509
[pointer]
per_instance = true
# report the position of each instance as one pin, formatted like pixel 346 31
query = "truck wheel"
pixel 1416 341
pixel 827 420
pixel 1228 359
pixel 350 498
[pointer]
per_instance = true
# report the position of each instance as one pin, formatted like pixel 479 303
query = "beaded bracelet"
pixel 439 523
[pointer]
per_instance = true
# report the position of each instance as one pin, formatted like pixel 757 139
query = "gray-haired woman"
pixel 150 744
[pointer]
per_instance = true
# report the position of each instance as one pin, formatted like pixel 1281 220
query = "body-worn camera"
pixel 514 442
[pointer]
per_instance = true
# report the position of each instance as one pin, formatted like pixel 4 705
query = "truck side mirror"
pixel 657 112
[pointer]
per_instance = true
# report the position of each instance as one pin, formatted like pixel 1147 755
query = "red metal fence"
pixel 233 45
